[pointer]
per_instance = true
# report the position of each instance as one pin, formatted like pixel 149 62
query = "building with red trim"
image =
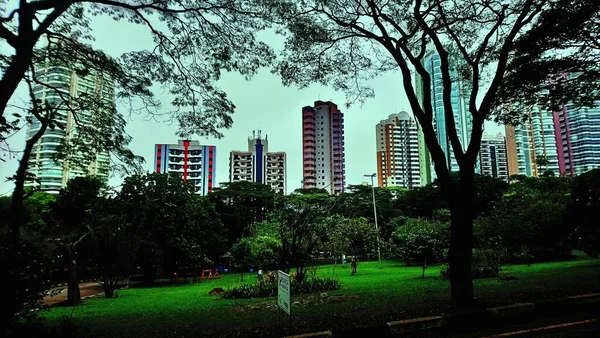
pixel 194 162
pixel 323 147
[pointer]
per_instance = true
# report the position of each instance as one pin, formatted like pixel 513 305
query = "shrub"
pixel 267 287
pixel 486 264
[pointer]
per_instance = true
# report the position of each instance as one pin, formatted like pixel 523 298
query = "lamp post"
pixel 375 214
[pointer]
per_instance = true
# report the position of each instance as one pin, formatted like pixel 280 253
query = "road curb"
pixel 321 334
pixel 483 317
pixel 512 311
pixel 592 298
pixel 415 324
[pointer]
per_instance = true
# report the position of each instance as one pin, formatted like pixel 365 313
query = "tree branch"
pixel 447 85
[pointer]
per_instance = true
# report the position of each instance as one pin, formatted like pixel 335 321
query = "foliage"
pixel 268 287
pixel 176 226
pixel 354 237
pixel 531 214
pixel 299 227
pixel 190 52
pixel 554 64
pixel 256 251
pixel 584 212
pixel 346 43
pixel 357 202
pixel 486 264
pixel 422 241
pixel 242 204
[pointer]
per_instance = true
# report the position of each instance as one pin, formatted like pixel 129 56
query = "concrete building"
pixel 54 175
pixel 194 162
pixel 492 157
pixel 323 147
pixel 258 164
pixel 462 118
pixel 275 172
pixel 398 152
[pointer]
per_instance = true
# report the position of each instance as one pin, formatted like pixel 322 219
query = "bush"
pixel 486 264
pixel 267 287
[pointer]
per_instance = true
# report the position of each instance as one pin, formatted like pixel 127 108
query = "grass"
pixel 372 297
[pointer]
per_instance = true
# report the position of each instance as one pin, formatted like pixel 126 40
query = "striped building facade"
pixel 194 162
pixel 323 147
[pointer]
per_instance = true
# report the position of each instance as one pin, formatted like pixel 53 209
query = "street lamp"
pixel 375 214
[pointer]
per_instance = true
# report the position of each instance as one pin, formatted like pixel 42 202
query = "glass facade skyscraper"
pixel 53 174
pixel 462 118
pixel 569 141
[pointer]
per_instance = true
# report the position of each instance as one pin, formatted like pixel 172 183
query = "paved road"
pixel 86 289
pixel 577 326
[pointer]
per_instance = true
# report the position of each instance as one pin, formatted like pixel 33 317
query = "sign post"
pixel 283 293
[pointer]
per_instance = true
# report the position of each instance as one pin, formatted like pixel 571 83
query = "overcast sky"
pixel 262 103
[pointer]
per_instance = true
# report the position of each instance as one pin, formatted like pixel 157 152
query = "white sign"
pixel 283 294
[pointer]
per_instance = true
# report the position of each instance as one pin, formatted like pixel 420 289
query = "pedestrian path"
pixel 86 289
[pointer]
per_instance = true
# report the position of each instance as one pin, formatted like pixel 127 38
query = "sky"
pixel 261 103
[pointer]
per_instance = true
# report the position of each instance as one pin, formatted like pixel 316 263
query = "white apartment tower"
pixel 258 164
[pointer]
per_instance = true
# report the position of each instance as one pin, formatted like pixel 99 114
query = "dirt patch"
pixel 304 301
pixel 59 295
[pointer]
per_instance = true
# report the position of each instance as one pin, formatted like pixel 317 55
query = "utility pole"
pixel 375 214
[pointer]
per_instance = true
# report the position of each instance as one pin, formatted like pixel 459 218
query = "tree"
pixel 194 41
pixel 75 209
pixel 530 220
pixel 242 204
pixel 421 240
pixel 584 212
pixel 357 201
pixel 259 249
pixel 299 228
pixel 177 227
pixel 353 236
pixel 344 42
pixel 554 64
pixel 542 161
pixel 115 243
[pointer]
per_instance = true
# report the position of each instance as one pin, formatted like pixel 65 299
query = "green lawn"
pixel 371 297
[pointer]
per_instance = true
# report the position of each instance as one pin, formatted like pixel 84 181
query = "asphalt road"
pixel 576 326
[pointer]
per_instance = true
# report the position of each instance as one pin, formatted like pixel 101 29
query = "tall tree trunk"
pixel 13 76
pixel 73 292
pixel 461 242
pixel 8 272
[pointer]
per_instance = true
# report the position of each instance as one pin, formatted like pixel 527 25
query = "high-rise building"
pixel 462 118
pixel 532 145
pixel 194 162
pixel 577 131
pixel 53 175
pixel 323 147
pixel 492 157
pixel 275 171
pixel 258 164
pixel 398 152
